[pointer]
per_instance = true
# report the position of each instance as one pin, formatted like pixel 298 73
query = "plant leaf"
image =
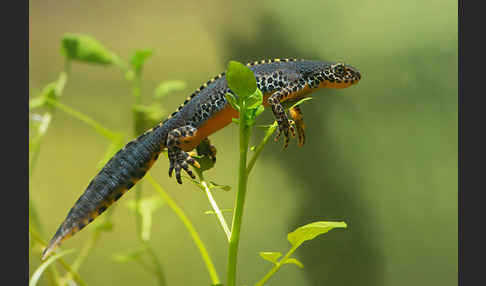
pixel 310 231
pixel 301 101
pixel 37 102
pixel 259 110
pixel 146 208
pixel 241 79
pixel 138 59
pixel 167 87
pixel 38 272
pixel 214 185
pixel 294 261
pixel 255 100
pixel 84 48
pixel 271 256
pixel 232 101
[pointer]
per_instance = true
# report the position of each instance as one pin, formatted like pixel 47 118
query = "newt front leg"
pixel 284 125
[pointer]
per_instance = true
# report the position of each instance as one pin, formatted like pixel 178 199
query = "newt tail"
pixel 204 112
pixel 119 175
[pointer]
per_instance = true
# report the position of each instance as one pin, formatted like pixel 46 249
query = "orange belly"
pixel 223 118
pixel 213 124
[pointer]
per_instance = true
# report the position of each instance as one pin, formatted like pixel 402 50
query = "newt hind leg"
pixel 179 159
pixel 298 117
pixel 206 149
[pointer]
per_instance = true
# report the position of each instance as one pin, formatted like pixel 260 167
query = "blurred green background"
pixel 381 155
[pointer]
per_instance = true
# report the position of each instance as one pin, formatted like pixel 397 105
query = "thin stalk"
pixel 217 210
pixel 86 250
pixel 34 157
pixel 84 118
pixel 145 266
pixel 190 228
pixel 138 188
pixel 138 191
pixel 260 146
pixel 158 268
pixel 240 198
pixel 61 261
pixel 88 246
pixel 276 267
pixel 52 273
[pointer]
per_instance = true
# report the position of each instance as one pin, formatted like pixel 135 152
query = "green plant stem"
pixel 217 210
pixel 138 191
pixel 190 228
pixel 138 188
pixel 88 246
pixel 61 261
pixel 138 216
pixel 158 268
pixel 145 266
pixel 52 273
pixel 84 118
pixel 86 250
pixel 260 146
pixel 240 198
pixel 35 156
pixel 276 267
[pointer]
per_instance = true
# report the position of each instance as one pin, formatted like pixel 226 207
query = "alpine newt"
pixel 204 112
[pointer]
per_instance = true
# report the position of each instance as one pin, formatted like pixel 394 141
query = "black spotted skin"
pixel 278 79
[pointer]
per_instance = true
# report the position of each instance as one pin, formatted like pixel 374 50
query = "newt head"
pixel 345 73
pixel 340 75
pixel 331 75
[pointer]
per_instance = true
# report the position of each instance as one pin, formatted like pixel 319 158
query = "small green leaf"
pixel 49 92
pixel 241 79
pixel 232 101
pixel 310 231
pixel 271 256
pixel 138 59
pixel 235 120
pixel 301 101
pixel 146 208
pixel 38 125
pixel 167 87
pixel 37 102
pixel 44 123
pixel 38 273
pixel 259 110
pixel 255 100
pixel 86 49
pixel 294 261
pixel 213 185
